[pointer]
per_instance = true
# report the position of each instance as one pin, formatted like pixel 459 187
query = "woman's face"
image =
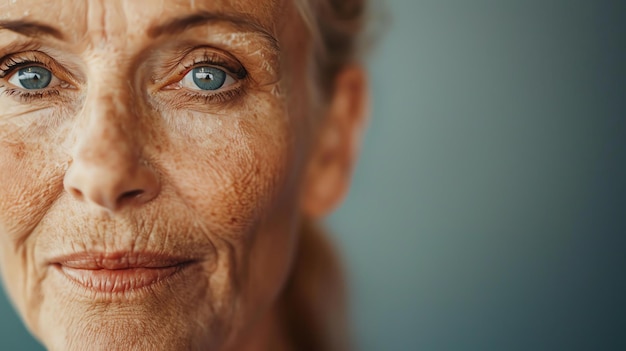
pixel 152 157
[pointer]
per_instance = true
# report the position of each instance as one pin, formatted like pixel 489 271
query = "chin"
pixel 171 309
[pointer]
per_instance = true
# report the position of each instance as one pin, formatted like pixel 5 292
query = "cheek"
pixel 232 169
pixel 16 218
pixel 30 180
pixel 31 172
pixel 239 173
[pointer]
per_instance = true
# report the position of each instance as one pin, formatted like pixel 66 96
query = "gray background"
pixel 489 207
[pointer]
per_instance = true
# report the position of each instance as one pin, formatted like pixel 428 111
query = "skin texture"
pixel 115 156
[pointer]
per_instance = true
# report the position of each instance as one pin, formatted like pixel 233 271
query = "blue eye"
pixel 206 78
pixel 32 78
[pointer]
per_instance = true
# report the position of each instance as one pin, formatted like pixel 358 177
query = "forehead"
pixel 111 19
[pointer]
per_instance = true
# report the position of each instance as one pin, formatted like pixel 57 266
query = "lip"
pixel 119 272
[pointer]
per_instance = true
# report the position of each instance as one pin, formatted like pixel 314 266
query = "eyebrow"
pixel 245 22
pixel 31 29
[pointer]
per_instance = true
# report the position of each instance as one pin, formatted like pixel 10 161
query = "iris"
pixel 208 78
pixel 34 77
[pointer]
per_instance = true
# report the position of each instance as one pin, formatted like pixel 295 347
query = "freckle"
pixel 19 150
pixel 19 154
pixel 233 220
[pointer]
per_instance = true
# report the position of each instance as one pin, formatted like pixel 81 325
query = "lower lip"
pixel 119 280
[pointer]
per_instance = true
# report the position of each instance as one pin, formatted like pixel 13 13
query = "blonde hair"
pixel 336 27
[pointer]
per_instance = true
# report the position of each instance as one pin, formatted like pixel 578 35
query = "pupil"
pixel 34 78
pixel 208 78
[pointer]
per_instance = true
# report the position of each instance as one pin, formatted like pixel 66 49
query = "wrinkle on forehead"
pixel 103 19
pixel 9 9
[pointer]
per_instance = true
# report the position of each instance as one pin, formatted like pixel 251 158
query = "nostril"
pixel 132 194
pixel 76 193
pixel 129 197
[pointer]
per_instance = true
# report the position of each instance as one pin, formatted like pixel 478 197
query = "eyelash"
pixel 9 64
pixel 213 98
pixel 28 96
pixel 212 59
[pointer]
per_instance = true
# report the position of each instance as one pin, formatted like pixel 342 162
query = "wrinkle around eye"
pixel 9 114
pixel 30 120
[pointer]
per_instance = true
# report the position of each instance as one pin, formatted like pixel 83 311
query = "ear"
pixel 330 167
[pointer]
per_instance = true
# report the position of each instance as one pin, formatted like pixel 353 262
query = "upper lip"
pixel 120 260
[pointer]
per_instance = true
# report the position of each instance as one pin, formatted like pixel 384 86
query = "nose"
pixel 107 168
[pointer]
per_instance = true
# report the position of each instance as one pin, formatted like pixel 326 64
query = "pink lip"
pixel 119 272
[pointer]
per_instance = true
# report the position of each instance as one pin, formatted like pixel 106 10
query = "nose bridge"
pixel 108 168
pixel 107 137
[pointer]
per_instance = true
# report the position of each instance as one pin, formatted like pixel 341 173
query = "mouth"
pixel 119 272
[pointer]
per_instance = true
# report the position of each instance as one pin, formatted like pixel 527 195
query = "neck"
pixel 268 334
